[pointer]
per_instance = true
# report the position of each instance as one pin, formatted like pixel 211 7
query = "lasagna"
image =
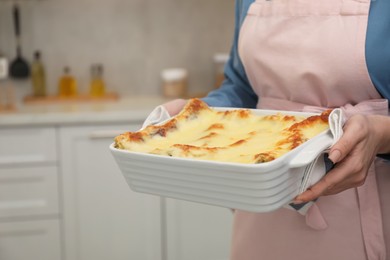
pixel 239 136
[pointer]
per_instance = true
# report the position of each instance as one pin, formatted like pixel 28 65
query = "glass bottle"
pixel 97 84
pixel 67 86
pixel 38 77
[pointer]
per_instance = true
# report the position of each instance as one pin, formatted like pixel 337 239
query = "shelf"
pixel 7 109
pixel 77 99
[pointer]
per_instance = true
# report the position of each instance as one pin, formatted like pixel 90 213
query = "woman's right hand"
pixel 364 136
pixel 175 106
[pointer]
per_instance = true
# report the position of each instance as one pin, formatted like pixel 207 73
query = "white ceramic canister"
pixel 174 82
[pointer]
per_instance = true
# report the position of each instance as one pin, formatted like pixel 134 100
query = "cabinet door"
pixel 30 240
pixel 32 145
pixel 103 218
pixel 28 191
pixel 197 231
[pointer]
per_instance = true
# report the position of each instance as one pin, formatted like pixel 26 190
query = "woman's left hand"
pixel 353 155
pixel 175 106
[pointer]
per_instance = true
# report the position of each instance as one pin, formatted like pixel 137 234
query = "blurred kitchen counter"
pixel 126 109
pixel 61 184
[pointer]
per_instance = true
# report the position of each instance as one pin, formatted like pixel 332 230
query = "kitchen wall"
pixel 134 39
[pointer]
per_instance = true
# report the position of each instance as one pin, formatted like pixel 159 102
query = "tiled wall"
pixel 134 39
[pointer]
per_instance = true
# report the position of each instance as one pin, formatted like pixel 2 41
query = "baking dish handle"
pixel 312 150
pixel 318 145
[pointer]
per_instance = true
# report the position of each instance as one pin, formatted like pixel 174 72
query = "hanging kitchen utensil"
pixel 19 68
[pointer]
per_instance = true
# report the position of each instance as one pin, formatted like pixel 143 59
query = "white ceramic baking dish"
pixel 252 187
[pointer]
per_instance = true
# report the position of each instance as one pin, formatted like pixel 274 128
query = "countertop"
pixel 124 110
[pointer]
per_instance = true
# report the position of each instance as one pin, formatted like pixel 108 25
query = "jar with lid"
pixel 97 84
pixel 174 82
pixel 220 60
pixel 67 85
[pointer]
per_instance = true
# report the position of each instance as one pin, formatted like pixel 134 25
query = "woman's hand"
pixel 175 106
pixel 364 136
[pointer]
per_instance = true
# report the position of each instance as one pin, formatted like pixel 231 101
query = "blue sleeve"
pixel 378 49
pixel 378 46
pixel 235 91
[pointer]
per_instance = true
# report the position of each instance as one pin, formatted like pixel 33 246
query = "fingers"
pixel 321 188
pixel 175 106
pixel 353 134
pixel 352 154
pixel 347 174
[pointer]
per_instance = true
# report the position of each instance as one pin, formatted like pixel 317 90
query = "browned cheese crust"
pixel 201 132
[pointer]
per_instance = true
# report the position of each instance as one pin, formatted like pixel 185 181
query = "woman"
pixel 308 55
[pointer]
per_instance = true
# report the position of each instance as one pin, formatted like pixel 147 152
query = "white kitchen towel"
pixel 317 168
pixel 158 115
pixel 321 165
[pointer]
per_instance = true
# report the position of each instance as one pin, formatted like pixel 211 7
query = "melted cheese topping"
pixel 229 136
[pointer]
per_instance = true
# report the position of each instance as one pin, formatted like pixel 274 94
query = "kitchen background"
pixel 133 39
pixel 62 195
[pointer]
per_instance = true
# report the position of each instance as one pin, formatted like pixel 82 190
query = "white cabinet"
pixel 29 191
pixel 103 218
pixel 197 231
pixel 29 204
pixel 26 145
pixel 35 240
pixel 62 197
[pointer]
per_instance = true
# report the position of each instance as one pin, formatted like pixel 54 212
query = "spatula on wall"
pixel 19 68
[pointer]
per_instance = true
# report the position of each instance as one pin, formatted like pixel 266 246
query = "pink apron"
pixel 307 55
